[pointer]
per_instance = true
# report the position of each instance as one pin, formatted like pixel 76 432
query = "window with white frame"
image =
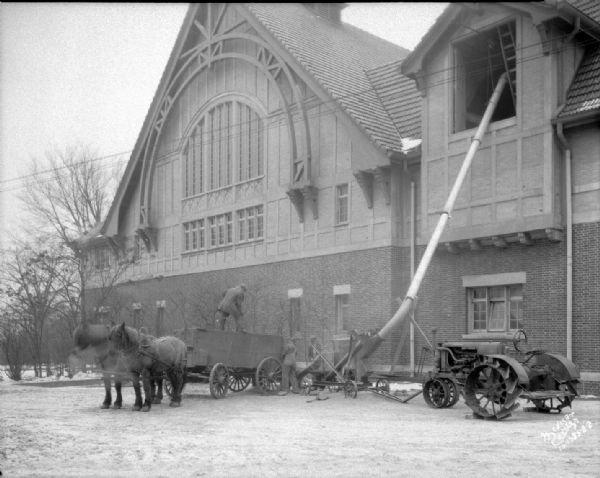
pixel 193 235
pixel 497 308
pixel 228 130
pixel 341 204
pixel 250 224
pixel 221 230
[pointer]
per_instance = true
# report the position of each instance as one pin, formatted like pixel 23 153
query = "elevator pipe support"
pixel 569 220
pixel 411 295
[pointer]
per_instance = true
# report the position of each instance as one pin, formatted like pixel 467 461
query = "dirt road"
pixel 61 431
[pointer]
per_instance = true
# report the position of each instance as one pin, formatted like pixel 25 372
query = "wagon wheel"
pixel 436 393
pixel 556 404
pixel 306 385
pixel 453 392
pixel 350 389
pixel 491 390
pixel 268 375
pixel 382 385
pixel 237 383
pixel 218 381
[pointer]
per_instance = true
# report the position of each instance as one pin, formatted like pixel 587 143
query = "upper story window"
pixel 225 146
pixel 221 230
pixel 250 224
pixel 341 204
pixel 495 309
pixel 479 60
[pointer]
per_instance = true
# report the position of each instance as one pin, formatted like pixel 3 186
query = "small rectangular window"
pixel 342 312
pixel 250 224
pixel 193 235
pixel 341 204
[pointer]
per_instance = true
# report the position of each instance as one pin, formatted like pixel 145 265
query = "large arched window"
pixel 224 147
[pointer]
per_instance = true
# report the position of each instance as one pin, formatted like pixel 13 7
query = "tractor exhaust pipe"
pixel 404 310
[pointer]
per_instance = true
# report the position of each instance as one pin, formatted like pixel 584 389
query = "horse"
pixel 91 342
pixel 149 357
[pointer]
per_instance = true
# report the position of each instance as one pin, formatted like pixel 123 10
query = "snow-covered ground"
pixel 61 431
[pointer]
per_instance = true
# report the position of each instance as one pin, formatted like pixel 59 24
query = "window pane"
pixel 497 315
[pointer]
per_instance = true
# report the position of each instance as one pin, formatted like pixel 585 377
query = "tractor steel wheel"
pixel 237 383
pixel 218 381
pixel 453 392
pixel 268 375
pixel 436 393
pixel 492 390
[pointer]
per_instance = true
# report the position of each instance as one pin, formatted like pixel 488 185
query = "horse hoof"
pixel 156 401
pixel 136 408
pixel 145 409
pixel 117 406
pixel 104 406
pixel 174 404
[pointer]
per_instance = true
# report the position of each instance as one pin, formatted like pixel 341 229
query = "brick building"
pixel 310 160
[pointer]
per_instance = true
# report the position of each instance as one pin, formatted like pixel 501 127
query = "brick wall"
pixel 380 276
pixel 192 299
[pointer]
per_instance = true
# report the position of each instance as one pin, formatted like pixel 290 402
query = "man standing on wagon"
pixel 231 306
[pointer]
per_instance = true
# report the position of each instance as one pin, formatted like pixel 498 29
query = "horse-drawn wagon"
pixel 232 360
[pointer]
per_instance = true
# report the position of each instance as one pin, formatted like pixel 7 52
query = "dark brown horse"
pixel 149 357
pixel 91 343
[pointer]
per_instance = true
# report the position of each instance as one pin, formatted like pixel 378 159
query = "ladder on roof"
pixel 509 56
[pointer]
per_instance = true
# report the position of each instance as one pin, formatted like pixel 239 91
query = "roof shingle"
pixel 338 56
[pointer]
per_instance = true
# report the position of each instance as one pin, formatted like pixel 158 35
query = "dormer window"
pixel 479 60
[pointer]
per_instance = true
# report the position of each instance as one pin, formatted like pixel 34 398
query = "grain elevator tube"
pixel 404 310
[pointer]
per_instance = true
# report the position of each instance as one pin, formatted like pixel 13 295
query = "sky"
pixel 86 73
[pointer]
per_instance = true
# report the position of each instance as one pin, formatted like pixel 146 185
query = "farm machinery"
pixel 491 381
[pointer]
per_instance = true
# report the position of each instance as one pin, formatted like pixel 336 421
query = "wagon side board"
pixel 233 349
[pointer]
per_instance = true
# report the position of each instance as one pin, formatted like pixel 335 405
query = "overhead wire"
pixel 278 119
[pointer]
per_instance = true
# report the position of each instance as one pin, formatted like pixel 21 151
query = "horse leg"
pixel 147 391
pixel 157 393
pixel 107 395
pixel 119 401
pixel 135 378
pixel 176 377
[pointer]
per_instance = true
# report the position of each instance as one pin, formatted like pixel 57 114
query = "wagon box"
pixel 232 360
pixel 234 349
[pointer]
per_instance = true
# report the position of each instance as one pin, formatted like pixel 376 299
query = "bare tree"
pixel 32 294
pixel 69 194
pixel 13 345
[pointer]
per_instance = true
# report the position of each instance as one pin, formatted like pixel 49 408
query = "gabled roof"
pixel 337 56
pixel 584 93
pixel 400 98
